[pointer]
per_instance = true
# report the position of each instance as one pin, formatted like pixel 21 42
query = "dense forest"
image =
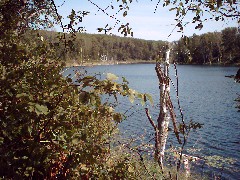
pixel 209 48
pixel 96 47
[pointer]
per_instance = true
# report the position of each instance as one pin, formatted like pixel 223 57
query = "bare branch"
pixel 150 119
pixel 174 120
pixel 229 15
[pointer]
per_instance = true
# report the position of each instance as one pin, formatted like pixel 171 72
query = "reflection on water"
pixel 206 96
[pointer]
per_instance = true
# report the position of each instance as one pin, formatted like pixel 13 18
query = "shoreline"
pixel 102 63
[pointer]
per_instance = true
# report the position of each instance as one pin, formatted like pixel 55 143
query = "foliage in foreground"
pixel 51 127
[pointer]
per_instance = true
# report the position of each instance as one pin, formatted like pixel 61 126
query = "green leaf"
pixel 1 140
pixel 141 97
pixel 114 87
pixel 21 95
pixel 183 12
pixel 111 77
pixel 69 80
pixel 117 117
pixel 125 13
pixel 41 109
pixel 9 92
pixel 29 129
pixel 149 97
pixel 131 95
pixel 130 169
pixel 100 29
pixel 125 80
pixel 131 98
pixel 75 140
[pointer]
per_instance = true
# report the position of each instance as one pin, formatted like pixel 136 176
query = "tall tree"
pixel 231 45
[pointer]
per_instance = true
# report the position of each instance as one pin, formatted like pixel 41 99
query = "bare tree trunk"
pixel 166 112
pixel 164 118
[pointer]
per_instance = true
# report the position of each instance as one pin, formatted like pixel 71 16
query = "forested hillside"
pixel 210 48
pixel 97 47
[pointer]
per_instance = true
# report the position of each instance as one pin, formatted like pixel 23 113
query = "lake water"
pixel 206 96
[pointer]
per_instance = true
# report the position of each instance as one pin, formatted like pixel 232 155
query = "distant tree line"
pixel 209 48
pixel 93 47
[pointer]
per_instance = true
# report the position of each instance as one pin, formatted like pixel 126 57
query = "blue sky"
pixel 144 22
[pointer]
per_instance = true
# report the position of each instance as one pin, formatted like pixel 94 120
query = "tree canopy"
pixel 210 48
pixel 91 47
